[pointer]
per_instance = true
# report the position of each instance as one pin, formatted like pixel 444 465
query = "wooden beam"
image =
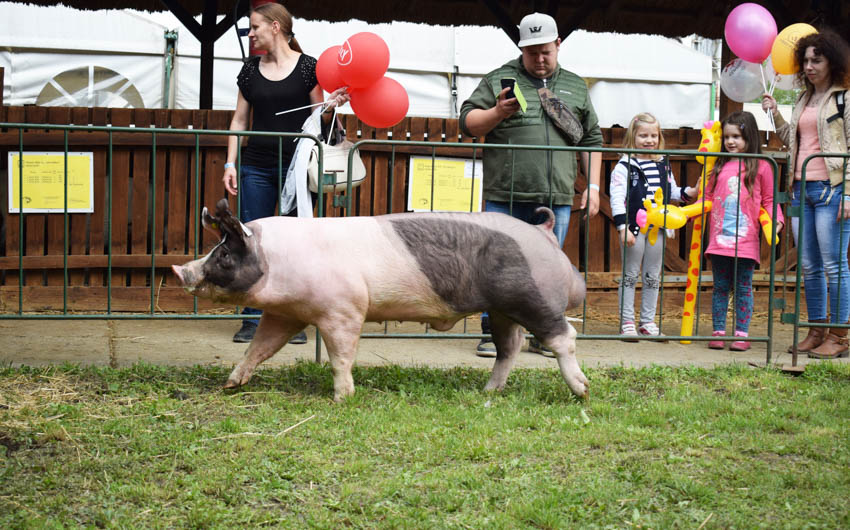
pixel 508 25
pixel 119 261
pixel 581 13
pixel 34 138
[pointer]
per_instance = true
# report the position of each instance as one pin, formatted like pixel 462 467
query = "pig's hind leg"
pixel 564 345
pixel 508 338
pixel 272 333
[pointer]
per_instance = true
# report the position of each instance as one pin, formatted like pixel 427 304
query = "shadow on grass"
pixel 304 378
pixel 310 379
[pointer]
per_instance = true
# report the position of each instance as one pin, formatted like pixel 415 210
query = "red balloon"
pixel 363 59
pixel 327 70
pixel 383 104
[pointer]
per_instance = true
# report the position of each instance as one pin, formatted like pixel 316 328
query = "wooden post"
pixel 1 86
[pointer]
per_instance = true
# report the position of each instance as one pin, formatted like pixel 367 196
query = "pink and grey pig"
pixel 337 273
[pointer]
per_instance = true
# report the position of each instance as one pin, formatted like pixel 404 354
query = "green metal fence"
pixel 476 150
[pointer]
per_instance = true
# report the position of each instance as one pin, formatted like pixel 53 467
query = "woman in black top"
pixel 284 78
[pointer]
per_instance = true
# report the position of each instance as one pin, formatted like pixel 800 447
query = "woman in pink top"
pixel 737 188
pixel 820 123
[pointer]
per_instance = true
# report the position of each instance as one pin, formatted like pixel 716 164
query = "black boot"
pixel 246 332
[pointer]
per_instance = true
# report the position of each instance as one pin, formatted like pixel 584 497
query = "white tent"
pixel 117 58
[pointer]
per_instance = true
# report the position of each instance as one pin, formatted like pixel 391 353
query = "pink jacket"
pixel 734 219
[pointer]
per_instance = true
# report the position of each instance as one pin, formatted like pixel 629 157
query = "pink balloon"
pixel 383 104
pixel 327 70
pixel 750 31
pixel 363 59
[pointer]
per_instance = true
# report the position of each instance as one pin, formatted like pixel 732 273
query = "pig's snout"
pixel 184 277
pixel 178 271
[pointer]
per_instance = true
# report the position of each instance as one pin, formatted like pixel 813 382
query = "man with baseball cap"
pixel 557 112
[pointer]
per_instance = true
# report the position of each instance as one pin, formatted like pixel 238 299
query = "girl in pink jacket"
pixel 737 188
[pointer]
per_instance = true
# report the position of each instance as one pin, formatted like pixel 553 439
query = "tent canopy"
pixel 627 73
pixel 663 17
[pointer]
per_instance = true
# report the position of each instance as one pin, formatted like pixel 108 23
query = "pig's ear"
pixel 211 223
pixel 228 224
pixel 224 222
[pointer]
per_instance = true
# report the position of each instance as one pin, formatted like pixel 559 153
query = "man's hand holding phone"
pixel 510 98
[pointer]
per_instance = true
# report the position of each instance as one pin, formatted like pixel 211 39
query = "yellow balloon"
pixel 782 53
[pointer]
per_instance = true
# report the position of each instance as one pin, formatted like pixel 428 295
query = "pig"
pixel 437 268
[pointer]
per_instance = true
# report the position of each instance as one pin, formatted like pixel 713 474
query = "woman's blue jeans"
pixel 258 197
pixel 824 251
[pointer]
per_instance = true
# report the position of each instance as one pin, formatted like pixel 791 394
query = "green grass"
pixel 164 447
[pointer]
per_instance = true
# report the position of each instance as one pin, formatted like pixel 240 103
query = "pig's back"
pixel 469 262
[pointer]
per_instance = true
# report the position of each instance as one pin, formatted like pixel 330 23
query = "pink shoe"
pixel 717 344
pixel 628 332
pixel 740 345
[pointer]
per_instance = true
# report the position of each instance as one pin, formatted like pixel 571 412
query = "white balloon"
pixel 782 81
pixel 741 80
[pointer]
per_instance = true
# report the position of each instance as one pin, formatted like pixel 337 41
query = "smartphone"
pixel 509 82
pixel 514 92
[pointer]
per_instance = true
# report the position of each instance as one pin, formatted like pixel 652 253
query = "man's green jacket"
pixel 538 176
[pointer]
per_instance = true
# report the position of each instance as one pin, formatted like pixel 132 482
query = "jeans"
pixel 723 269
pixel 525 212
pixel 824 251
pixel 258 191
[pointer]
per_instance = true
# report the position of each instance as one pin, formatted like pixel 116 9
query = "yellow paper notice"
pixel 457 185
pixel 44 182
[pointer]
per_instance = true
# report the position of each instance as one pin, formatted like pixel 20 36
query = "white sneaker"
pixel 628 330
pixel 649 328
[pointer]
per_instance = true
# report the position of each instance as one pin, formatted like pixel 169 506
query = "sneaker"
pixel 628 330
pixel 486 348
pixel 245 333
pixel 535 346
pixel 740 345
pixel 300 338
pixel 649 329
pixel 717 344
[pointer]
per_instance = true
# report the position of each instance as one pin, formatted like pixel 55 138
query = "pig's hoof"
pixel 340 395
pixel 580 389
pixel 231 384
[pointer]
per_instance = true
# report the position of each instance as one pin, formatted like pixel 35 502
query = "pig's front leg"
pixel 564 346
pixel 341 338
pixel 508 338
pixel 272 333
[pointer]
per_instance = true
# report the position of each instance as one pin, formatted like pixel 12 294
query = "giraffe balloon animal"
pixel 656 215
pixel 712 136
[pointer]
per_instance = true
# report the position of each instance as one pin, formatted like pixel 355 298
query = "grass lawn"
pixel 164 447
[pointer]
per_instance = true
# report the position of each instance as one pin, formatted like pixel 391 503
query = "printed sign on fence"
pixel 43 182
pixel 457 184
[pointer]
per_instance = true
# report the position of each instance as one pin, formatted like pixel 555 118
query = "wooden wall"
pixel 154 203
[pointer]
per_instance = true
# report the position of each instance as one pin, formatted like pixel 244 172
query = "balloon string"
pixel 301 108
pixel 763 74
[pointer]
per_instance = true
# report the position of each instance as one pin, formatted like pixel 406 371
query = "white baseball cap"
pixel 537 28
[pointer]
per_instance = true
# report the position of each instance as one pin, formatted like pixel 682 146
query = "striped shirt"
pixel 653 179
